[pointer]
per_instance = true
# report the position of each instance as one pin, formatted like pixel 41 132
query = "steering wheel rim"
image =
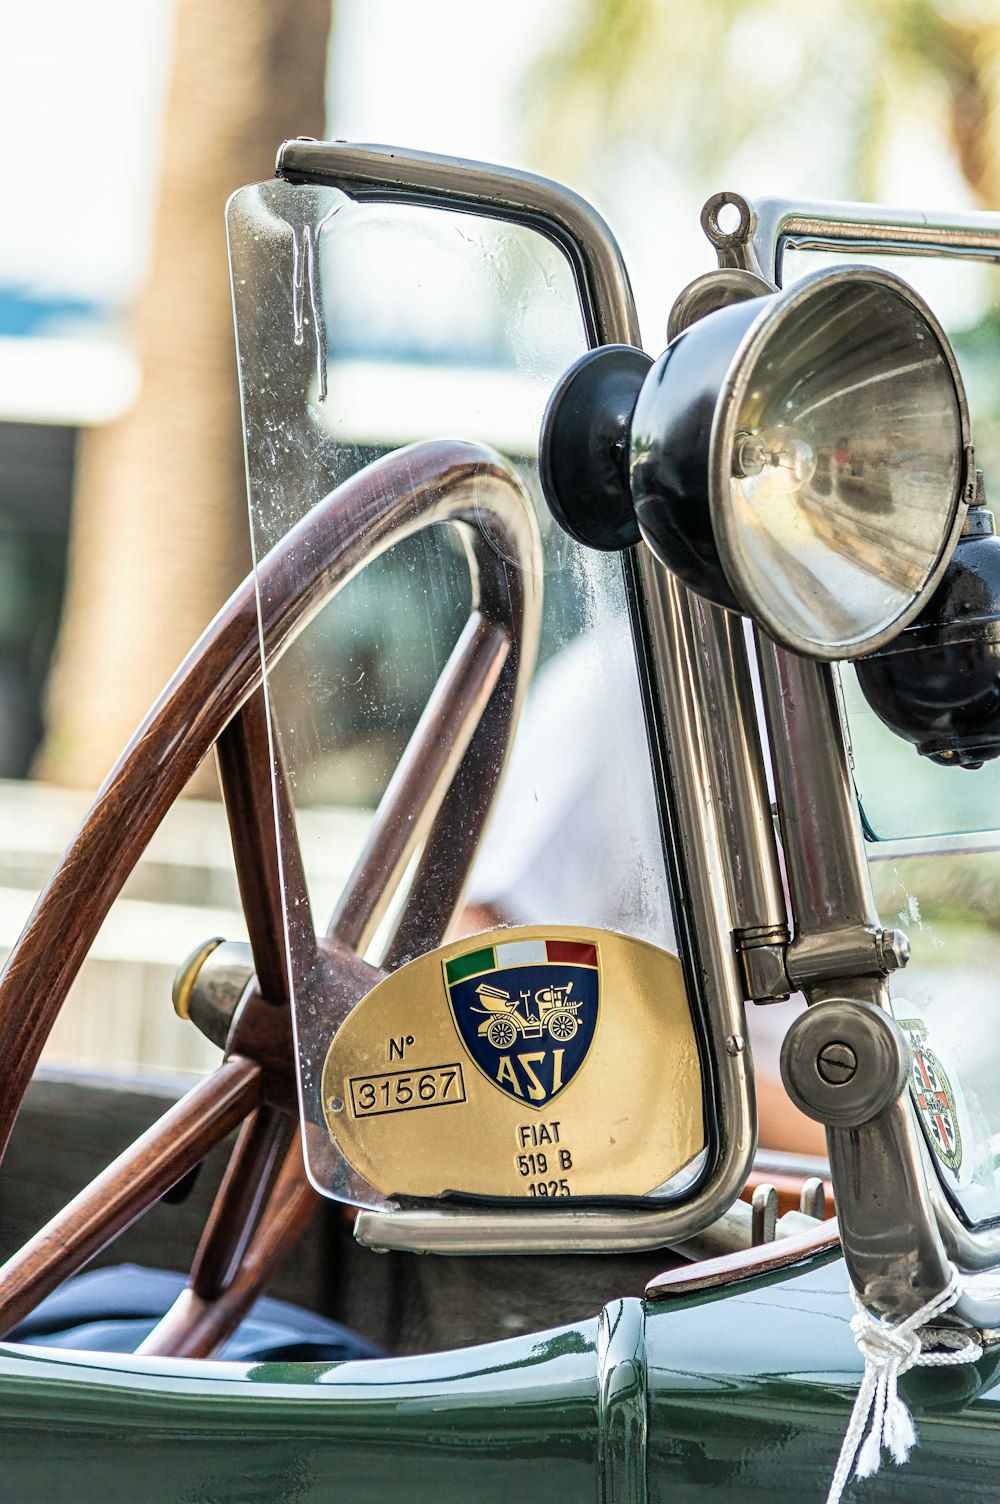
pixel 218 697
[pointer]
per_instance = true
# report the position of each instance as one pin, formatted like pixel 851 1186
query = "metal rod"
pixel 828 880
pixel 707 858
pixel 737 773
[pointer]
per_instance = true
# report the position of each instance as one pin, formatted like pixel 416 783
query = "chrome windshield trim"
pixel 393 175
pixel 766 223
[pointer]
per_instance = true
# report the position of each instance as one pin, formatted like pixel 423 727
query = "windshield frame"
pixel 690 797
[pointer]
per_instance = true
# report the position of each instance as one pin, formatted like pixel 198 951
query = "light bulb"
pixel 776 461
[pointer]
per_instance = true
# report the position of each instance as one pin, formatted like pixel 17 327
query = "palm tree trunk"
pixel 159 529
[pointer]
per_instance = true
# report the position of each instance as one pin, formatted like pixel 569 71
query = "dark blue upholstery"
pixel 112 1310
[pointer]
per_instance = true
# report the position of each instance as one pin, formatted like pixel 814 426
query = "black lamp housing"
pixel 671 440
pixel 584 451
pixel 800 456
pixel 937 684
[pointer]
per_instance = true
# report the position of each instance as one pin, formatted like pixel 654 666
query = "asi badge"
pixel 935 1099
pixel 526 1012
pixel 530 1063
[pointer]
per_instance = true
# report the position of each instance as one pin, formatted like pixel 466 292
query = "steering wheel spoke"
pixel 421 781
pixel 196 1327
pixel 250 1176
pixel 248 759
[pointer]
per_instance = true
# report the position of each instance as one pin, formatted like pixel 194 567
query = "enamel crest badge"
pixel 526 1012
pixel 934 1097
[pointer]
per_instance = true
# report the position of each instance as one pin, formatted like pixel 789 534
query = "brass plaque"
pixel 536 1062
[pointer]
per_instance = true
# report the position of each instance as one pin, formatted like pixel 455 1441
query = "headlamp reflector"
pixel 837 462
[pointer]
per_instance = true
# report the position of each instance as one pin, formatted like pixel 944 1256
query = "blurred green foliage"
pixel 699 82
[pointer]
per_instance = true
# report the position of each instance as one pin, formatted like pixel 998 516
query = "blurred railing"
pixel 118 1015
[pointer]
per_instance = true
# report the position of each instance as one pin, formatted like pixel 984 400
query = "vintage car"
pixel 719 651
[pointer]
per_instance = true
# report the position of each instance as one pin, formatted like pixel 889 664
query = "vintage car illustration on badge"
pixel 550 1011
pixel 542 992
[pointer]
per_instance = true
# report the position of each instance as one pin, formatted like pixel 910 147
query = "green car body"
pixel 744 1393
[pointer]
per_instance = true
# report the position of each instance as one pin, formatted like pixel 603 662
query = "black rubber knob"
pixel 584 447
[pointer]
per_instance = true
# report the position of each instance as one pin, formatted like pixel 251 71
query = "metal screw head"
pixel 837 1063
pixel 843 1061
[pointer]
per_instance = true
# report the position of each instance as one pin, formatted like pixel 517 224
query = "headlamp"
pixel 800 457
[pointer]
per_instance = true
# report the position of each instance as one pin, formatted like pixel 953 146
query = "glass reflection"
pixel 846 464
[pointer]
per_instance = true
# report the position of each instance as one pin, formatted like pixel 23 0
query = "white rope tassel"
pixel 889 1351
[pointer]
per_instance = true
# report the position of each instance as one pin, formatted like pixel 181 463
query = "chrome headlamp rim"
pixel 777 310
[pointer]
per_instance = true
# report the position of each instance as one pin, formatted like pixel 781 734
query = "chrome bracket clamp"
pixel 772 968
pixel 763 951
pixel 854 951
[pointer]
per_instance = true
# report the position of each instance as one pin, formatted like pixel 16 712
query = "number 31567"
pixel 403 1091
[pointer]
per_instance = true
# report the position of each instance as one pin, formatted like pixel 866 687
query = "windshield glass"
pixel 363 327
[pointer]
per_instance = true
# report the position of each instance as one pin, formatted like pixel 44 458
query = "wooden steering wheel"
pixel 440 795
